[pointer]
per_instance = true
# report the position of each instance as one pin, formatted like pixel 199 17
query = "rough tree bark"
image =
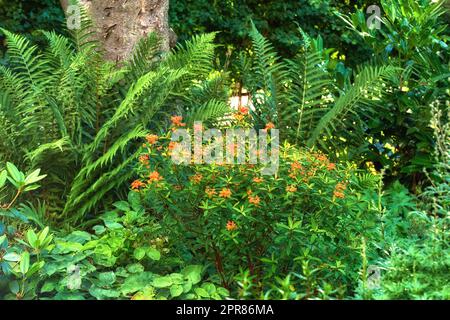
pixel 120 24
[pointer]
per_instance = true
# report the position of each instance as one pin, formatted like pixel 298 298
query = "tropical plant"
pixel 310 108
pixel 76 116
pixel 234 218
pixel 413 36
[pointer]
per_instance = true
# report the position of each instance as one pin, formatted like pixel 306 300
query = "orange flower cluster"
pixel 243 110
pixel 144 159
pixel 241 113
pixel 231 225
pixel 269 126
pixel 258 180
pixel 210 192
pixel 197 178
pixel 291 189
pixel 324 161
pixel 152 138
pixel 225 193
pixel 172 145
pixel 254 200
pixel 295 169
pixel 154 177
pixel 339 190
pixel 137 184
pixel 177 121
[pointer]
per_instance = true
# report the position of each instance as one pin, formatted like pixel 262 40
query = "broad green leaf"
pixel 193 273
pixel 139 253
pixel 122 205
pixel 162 282
pixel 3 176
pixel 14 287
pixel 48 286
pixel 14 173
pixel 35 268
pixel 32 238
pixel 176 290
pixel 11 257
pixel 201 292
pixel 153 254
pixel 107 278
pixel 34 177
pixel 2 239
pixel 24 262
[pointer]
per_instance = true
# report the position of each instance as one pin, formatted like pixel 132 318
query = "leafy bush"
pixel 413 37
pixel 294 223
pixel 69 105
pixel 418 266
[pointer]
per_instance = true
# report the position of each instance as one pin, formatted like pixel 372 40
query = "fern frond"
pixel 361 97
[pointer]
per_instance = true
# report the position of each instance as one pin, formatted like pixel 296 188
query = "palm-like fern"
pixel 302 98
pixel 63 109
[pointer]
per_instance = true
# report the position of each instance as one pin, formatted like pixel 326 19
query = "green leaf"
pixel 107 278
pixel 14 173
pixel 153 254
pixel 24 262
pixel 3 176
pixel 32 238
pixel 122 205
pixel 139 253
pixel 193 273
pixel 2 239
pixel 11 257
pixel 48 286
pixel 136 282
pixel 35 268
pixel 135 268
pixel 162 282
pixel 176 290
pixel 34 177
pixel 201 292
pixel 14 287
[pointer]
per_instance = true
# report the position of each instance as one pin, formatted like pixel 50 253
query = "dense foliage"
pixel 93 204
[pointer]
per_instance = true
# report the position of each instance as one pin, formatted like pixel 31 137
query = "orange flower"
pixel 341 187
pixel 254 200
pixel 231 225
pixel 338 194
pixel 258 180
pixel 210 192
pixel 291 188
pixel 137 184
pixel 239 117
pixel 144 159
pixel 225 193
pixel 269 126
pixel 178 121
pixel 197 178
pixel 296 166
pixel 321 157
pixel 172 145
pixel 154 177
pixel 249 192
pixel 151 138
pixel 243 110
pixel 331 166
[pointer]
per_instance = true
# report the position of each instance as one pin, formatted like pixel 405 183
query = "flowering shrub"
pixel 306 222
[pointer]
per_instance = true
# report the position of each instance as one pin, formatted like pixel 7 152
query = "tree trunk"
pixel 120 24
